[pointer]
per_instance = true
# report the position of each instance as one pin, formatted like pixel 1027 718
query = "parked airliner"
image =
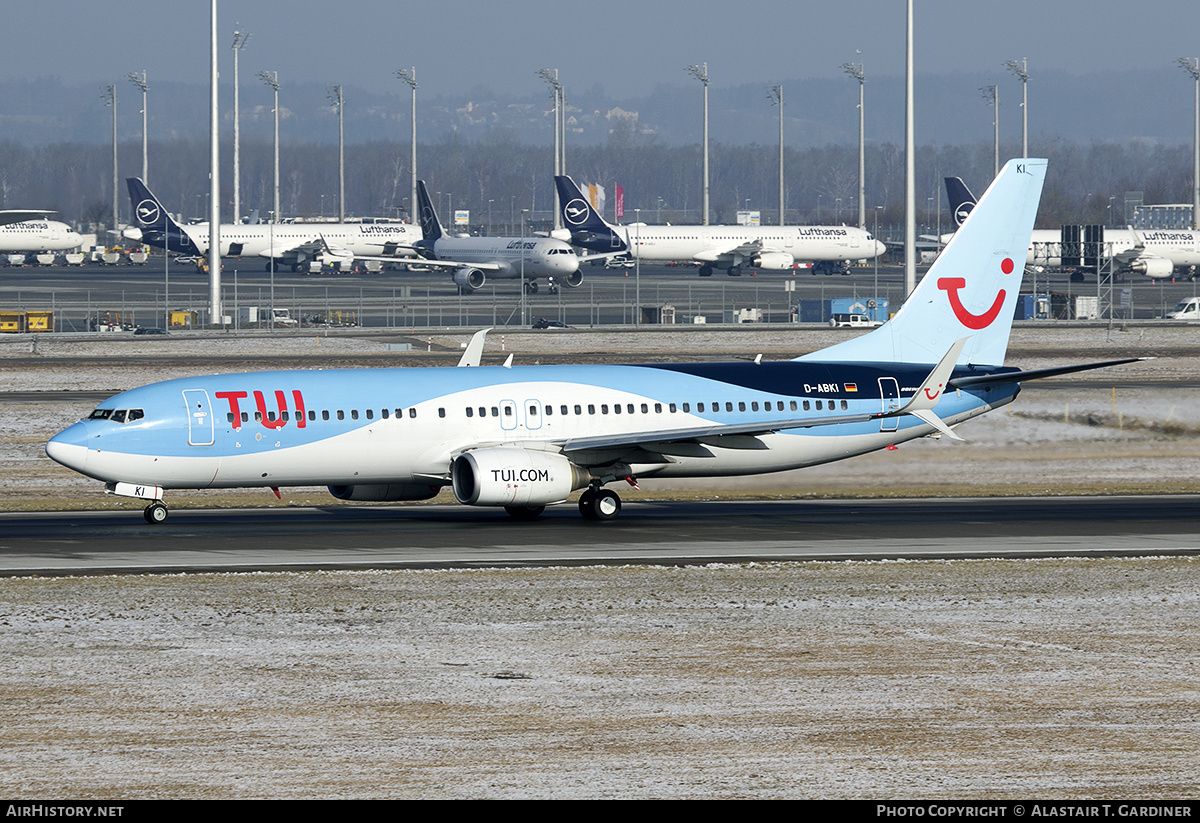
pixel 771 248
pixel 474 259
pixel 1155 253
pixel 29 230
pixel 291 244
pixel 525 437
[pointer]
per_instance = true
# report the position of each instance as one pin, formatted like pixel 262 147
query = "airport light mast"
pixel 1020 70
pixel 1192 67
pixel 775 95
pixel 857 73
pixel 551 77
pixel 410 76
pixel 910 171
pixel 139 80
pixel 700 72
pixel 338 99
pixel 992 95
pixel 240 38
pixel 271 78
pixel 110 99
pixel 217 316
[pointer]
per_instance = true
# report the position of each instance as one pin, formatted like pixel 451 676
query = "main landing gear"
pixel 599 504
pixel 155 513
pixel 531 287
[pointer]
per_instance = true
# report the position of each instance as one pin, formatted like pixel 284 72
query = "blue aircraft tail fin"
pixel 431 227
pixel 588 229
pixel 970 290
pixel 961 201
pixel 152 217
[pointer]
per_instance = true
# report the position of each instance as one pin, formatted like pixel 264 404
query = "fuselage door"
pixel 533 415
pixel 200 417
pixel 508 415
pixel 889 390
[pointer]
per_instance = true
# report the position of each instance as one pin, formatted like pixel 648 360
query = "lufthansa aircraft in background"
pixel 1155 253
pixel 473 260
pixel 771 248
pixel 29 230
pixel 293 245
pixel 525 437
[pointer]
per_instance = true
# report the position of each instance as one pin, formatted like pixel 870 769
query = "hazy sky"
pixel 622 45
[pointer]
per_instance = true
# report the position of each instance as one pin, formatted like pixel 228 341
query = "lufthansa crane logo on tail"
pixel 962 212
pixel 576 212
pixel 147 212
pixel 951 286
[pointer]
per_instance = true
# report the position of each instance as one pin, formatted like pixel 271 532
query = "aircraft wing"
pixel 714 255
pixel 710 434
pixel 432 263
pixel 10 216
pixel 920 405
pixel 307 248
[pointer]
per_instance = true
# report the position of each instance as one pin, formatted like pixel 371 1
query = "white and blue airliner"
pixel 526 437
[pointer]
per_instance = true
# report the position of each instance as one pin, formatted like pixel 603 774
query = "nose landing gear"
pixel 155 513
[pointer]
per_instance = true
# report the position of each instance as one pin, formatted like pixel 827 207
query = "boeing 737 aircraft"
pixel 291 244
pixel 525 437
pixel 474 259
pixel 773 248
pixel 1155 253
pixel 28 230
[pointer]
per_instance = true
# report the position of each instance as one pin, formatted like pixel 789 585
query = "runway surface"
pixel 673 533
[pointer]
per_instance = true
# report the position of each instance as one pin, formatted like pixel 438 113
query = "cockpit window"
pixel 117 415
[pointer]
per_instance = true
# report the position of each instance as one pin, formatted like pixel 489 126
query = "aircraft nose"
pixel 880 248
pixel 69 447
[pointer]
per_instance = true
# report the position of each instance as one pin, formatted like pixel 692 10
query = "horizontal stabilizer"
pixel 1001 378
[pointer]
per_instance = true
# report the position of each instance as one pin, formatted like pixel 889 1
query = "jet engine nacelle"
pixel 469 278
pixel 378 493
pixel 506 476
pixel 1154 267
pixel 574 279
pixel 774 261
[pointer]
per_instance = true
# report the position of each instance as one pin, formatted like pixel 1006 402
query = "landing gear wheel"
pixel 155 513
pixel 585 504
pixel 531 287
pixel 706 271
pixel 599 504
pixel 735 271
pixel 524 512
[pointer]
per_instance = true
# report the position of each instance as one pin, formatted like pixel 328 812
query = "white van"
pixel 1188 309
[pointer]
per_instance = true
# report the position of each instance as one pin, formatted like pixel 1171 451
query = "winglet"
pixel 474 352
pixel 930 392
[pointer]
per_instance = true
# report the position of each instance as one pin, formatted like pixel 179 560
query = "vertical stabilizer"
pixel 431 227
pixel 588 229
pixel 970 290
pixel 961 201
pixel 150 215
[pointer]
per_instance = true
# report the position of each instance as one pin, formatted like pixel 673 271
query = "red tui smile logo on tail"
pixel 951 285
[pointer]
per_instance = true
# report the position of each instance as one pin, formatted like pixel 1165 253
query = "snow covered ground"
pixel 984 679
